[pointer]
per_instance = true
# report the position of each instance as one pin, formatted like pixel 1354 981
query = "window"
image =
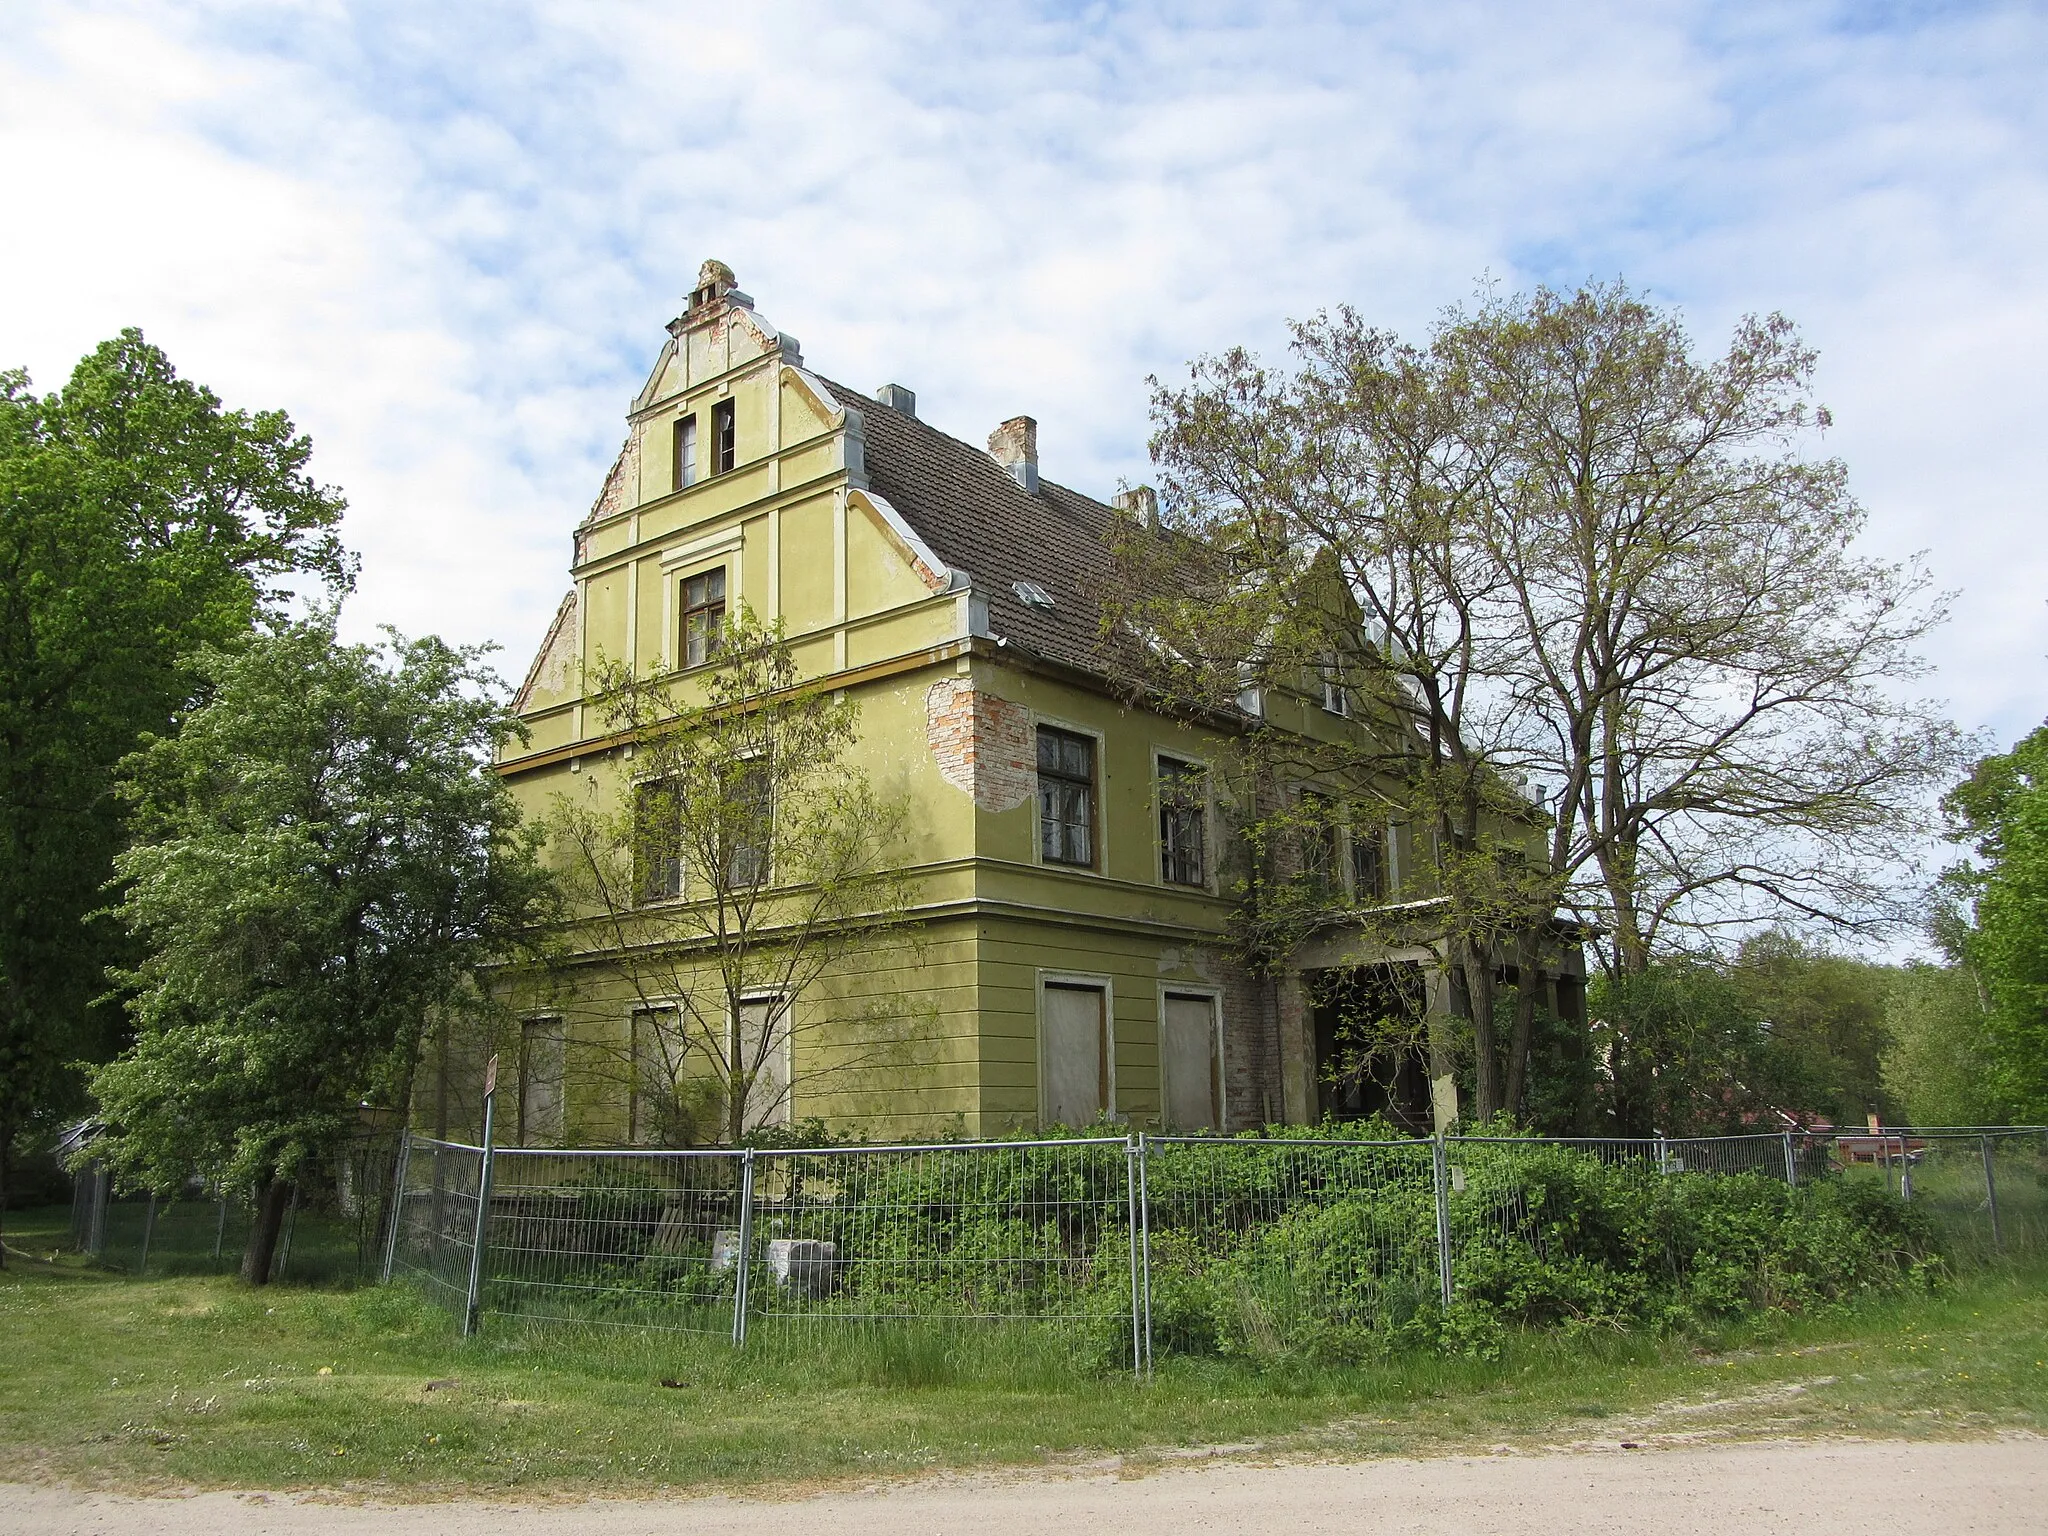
pixel 657 841
pixel 1074 1055
pixel 1193 1090
pixel 1336 697
pixel 1368 864
pixel 1066 797
pixel 1183 806
pixel 703 615
pixel 747 824
pixel 722 437
pixel 763 1036
pixel 685 452
pixel 540 1082
pixel 1318 840
pixel 652 1108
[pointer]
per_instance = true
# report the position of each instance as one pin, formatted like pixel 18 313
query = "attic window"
pixel 722 437
pixel 1032 595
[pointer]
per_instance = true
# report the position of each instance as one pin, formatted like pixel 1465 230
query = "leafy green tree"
pixel 2002 809
pixel 139 520
pixel 1936 1061
pixel 1684 1055
pixel 1824 1019
pixel 323 856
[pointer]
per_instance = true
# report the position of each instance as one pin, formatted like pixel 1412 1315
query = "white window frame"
pixel 1215 997
pixel 1100 982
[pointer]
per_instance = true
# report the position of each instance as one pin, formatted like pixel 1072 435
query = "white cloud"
pixel 446 237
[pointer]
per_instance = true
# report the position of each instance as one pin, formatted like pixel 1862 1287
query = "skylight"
pixel 1032 595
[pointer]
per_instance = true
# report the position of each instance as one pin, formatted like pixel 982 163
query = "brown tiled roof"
pixel 980 521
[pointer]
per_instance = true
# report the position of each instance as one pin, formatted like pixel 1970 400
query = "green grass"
pixel 185 1381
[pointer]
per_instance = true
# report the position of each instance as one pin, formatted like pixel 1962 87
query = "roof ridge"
pixel 867 401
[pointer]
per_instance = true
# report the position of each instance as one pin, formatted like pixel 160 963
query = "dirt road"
pixel 1758 1490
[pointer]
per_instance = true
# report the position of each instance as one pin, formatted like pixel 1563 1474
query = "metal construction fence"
pixel 1095 1236
pixel 334 1228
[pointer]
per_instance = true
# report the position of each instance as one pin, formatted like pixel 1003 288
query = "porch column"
pixel 1443 1079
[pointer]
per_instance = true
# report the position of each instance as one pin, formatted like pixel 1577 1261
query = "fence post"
pixel 148 1232
pixel 743 1260
pixel 96 1229
pixel 1991 1193
pixel 291 1225
pixel 1905 1171
pixel 472 1311
pixel 397 1202
pixel 1131 1228
pixel 1663 1153
pixel 1440 1164
pixel 1141 1242
pixel 1791 1163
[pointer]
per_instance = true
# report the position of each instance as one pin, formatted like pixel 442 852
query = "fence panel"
pixel 1027 1232
pixel 1254 1245
pixel 645 1239
pixel 436 1216
pixel 1272 1245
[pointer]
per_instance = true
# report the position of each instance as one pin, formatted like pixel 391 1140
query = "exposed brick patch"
pixel 982 744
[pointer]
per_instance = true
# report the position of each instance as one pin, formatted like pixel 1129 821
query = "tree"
pixel 1937 1058
pixel 323 857
pixel 139 520
pixel 2002 810
pixel 1565 553
pixel 749 857
pixel 1824 1019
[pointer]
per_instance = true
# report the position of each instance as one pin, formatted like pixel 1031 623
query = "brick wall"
pixel 982 744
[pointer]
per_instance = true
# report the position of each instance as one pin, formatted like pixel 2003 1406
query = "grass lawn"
pixel 198 1381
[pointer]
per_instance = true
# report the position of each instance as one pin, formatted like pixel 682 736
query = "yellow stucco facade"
pixel 741 461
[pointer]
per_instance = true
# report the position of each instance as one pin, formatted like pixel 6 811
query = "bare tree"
pixel 722 891
pixel 1553 548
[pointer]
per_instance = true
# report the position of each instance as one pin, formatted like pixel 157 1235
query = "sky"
pixel 446 236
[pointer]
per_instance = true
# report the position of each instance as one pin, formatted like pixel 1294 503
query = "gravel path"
pixel 1753 1490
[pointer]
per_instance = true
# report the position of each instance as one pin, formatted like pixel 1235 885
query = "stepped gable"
pixel 978 519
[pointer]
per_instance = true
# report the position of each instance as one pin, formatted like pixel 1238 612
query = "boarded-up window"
pixel 1073 1055
pixel 652 1108
pixel 764 1061
pixel 540 1083
pixel 1187 1038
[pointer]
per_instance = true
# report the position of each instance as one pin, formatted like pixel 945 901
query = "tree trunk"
pixel 1479 994
pixel 273 1195
pixel 6 1148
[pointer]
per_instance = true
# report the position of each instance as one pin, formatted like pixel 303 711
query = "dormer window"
pixel 685 451
pixel 723 437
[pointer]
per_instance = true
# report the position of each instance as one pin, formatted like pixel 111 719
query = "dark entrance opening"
pixel 1372 1044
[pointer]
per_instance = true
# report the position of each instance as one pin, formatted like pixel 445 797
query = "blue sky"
pixel 446 236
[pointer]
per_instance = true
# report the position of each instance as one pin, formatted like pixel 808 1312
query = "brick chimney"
pixel 1014 445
